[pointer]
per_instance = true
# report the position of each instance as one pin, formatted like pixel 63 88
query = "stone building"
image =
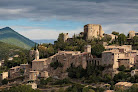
pixel 44 74
pixel 39 64
pixel 25 68
pixel 36 54
pixel 119 55
pixel 66 58
pixel 17 71
pixel 4 75
pixel 87 48
pixel 33 75
pixel 93 31
pixel 65 36
pixel 132 34
pixel 14 72
pixel 122 48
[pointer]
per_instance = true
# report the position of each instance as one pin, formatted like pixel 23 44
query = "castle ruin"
pixel 131 34
pixel 65 36
pixel 93 31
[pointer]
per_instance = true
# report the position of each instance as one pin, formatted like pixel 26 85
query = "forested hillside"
pixel 7 50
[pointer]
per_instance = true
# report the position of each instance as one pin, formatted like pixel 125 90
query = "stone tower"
pixel 87 48
pixel 93 31
pixel 131 34
pixel 65 36
pixel 36 54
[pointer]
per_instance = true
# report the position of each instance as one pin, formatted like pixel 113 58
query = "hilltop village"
pixel 95 60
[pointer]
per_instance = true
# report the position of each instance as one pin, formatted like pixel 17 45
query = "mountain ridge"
pixel 8 35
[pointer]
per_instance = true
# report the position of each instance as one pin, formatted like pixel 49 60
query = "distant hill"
pixel 9 50
pixel 45 41
pixel 8 35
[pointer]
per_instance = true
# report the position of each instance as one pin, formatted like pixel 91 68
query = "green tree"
pixel 107 38
pixel 97 50
pixel 115 33
pixel 122 39
pixel 122 68
pixel 60 44
pixel 121 76
pixel 135 40
pixel 4 81
pixel 56 64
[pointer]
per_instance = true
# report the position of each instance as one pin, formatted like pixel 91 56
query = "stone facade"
pixel 66 58
pixel 36 54
pixel 38 65
pixel 4 75
pixel 87 48
pixel 93 31
pixel 127 62
pixel 119 55
pixel 122 48
pixel 14 72
pixel 26 68
pixel 65 36
pixel 33 75
pixel 44 74
pixel 17 71
pixel 131 34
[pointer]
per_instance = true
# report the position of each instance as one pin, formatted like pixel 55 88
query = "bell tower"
pixel 36 54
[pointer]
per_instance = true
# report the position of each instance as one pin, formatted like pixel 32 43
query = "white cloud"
pixel 121 28
pixel 42 33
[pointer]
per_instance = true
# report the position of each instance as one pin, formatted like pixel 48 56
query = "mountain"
pixel 8 35
pixel 45 41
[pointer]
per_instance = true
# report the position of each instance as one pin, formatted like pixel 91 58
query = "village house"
pixel 66 58
pixel 119 55
pixel 14 72
pixel 33 75
pixel 17 71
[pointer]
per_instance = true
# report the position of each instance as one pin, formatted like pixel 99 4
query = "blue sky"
pixel 45 19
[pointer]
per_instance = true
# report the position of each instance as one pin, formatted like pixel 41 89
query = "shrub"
pixel 56 64
pixel 60 82
pixel 122 68
pixel 5 81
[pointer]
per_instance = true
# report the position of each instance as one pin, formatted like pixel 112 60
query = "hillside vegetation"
pixel 8 35
pixel 9 50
